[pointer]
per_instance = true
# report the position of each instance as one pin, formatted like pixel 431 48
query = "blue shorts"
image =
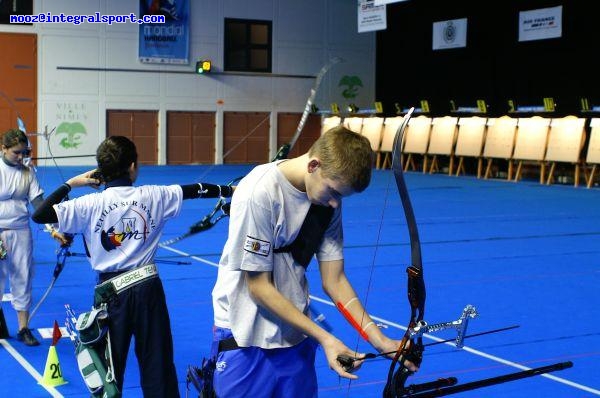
pixel 257 373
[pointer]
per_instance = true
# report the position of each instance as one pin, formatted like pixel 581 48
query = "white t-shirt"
pixel 121 225
pixel 18 187
pixel 267 212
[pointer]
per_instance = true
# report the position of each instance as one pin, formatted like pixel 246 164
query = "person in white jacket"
pixel 19 188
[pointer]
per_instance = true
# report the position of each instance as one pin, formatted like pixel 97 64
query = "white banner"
pixel 370 16
pixel 382 2
pixel 449 34
pixel 74 132
pixel 540 24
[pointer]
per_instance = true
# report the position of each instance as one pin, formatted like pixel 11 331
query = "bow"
pixel 221 209
pixel 411 347
pixel 61 258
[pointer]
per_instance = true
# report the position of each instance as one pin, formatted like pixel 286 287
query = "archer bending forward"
pixel 282 214
pixel 122 226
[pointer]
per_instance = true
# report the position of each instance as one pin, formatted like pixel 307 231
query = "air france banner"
pixel 540 24
pixel 169 42
pixel 449 34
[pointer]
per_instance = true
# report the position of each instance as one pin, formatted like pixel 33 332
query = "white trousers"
pixel 18 265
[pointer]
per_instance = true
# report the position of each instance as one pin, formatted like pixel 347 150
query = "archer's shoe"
pixel 26 337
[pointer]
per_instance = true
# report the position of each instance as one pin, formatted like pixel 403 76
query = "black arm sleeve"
pixel 37 201
pixel 203 190
pixel 45 213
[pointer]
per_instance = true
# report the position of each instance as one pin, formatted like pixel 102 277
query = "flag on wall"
pixel 544 23
pixel 449 34
pixel 169 42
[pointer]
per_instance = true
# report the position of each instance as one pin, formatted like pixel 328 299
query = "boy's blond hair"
pixel 345 156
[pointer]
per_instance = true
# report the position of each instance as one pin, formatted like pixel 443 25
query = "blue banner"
pixel 169 42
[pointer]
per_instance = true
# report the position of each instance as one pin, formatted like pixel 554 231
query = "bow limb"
pixel 283 152
pixel 61 259
pixel 416 283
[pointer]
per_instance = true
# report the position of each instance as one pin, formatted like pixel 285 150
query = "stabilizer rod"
pixel 492 381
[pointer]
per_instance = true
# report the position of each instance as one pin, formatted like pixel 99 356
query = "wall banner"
pixel 370 16
pixel 73 131
pixel 169 42
pixel 449 34
pixel 540 24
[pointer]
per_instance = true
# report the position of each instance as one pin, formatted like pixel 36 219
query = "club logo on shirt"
pixel 260 247
pixel 131 226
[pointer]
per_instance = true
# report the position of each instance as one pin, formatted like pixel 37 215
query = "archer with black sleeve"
pixel 122 226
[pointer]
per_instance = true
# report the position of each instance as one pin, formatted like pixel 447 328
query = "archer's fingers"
pixel 94 183
pixel 342 371
pixel 350 364
pixel 62 239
